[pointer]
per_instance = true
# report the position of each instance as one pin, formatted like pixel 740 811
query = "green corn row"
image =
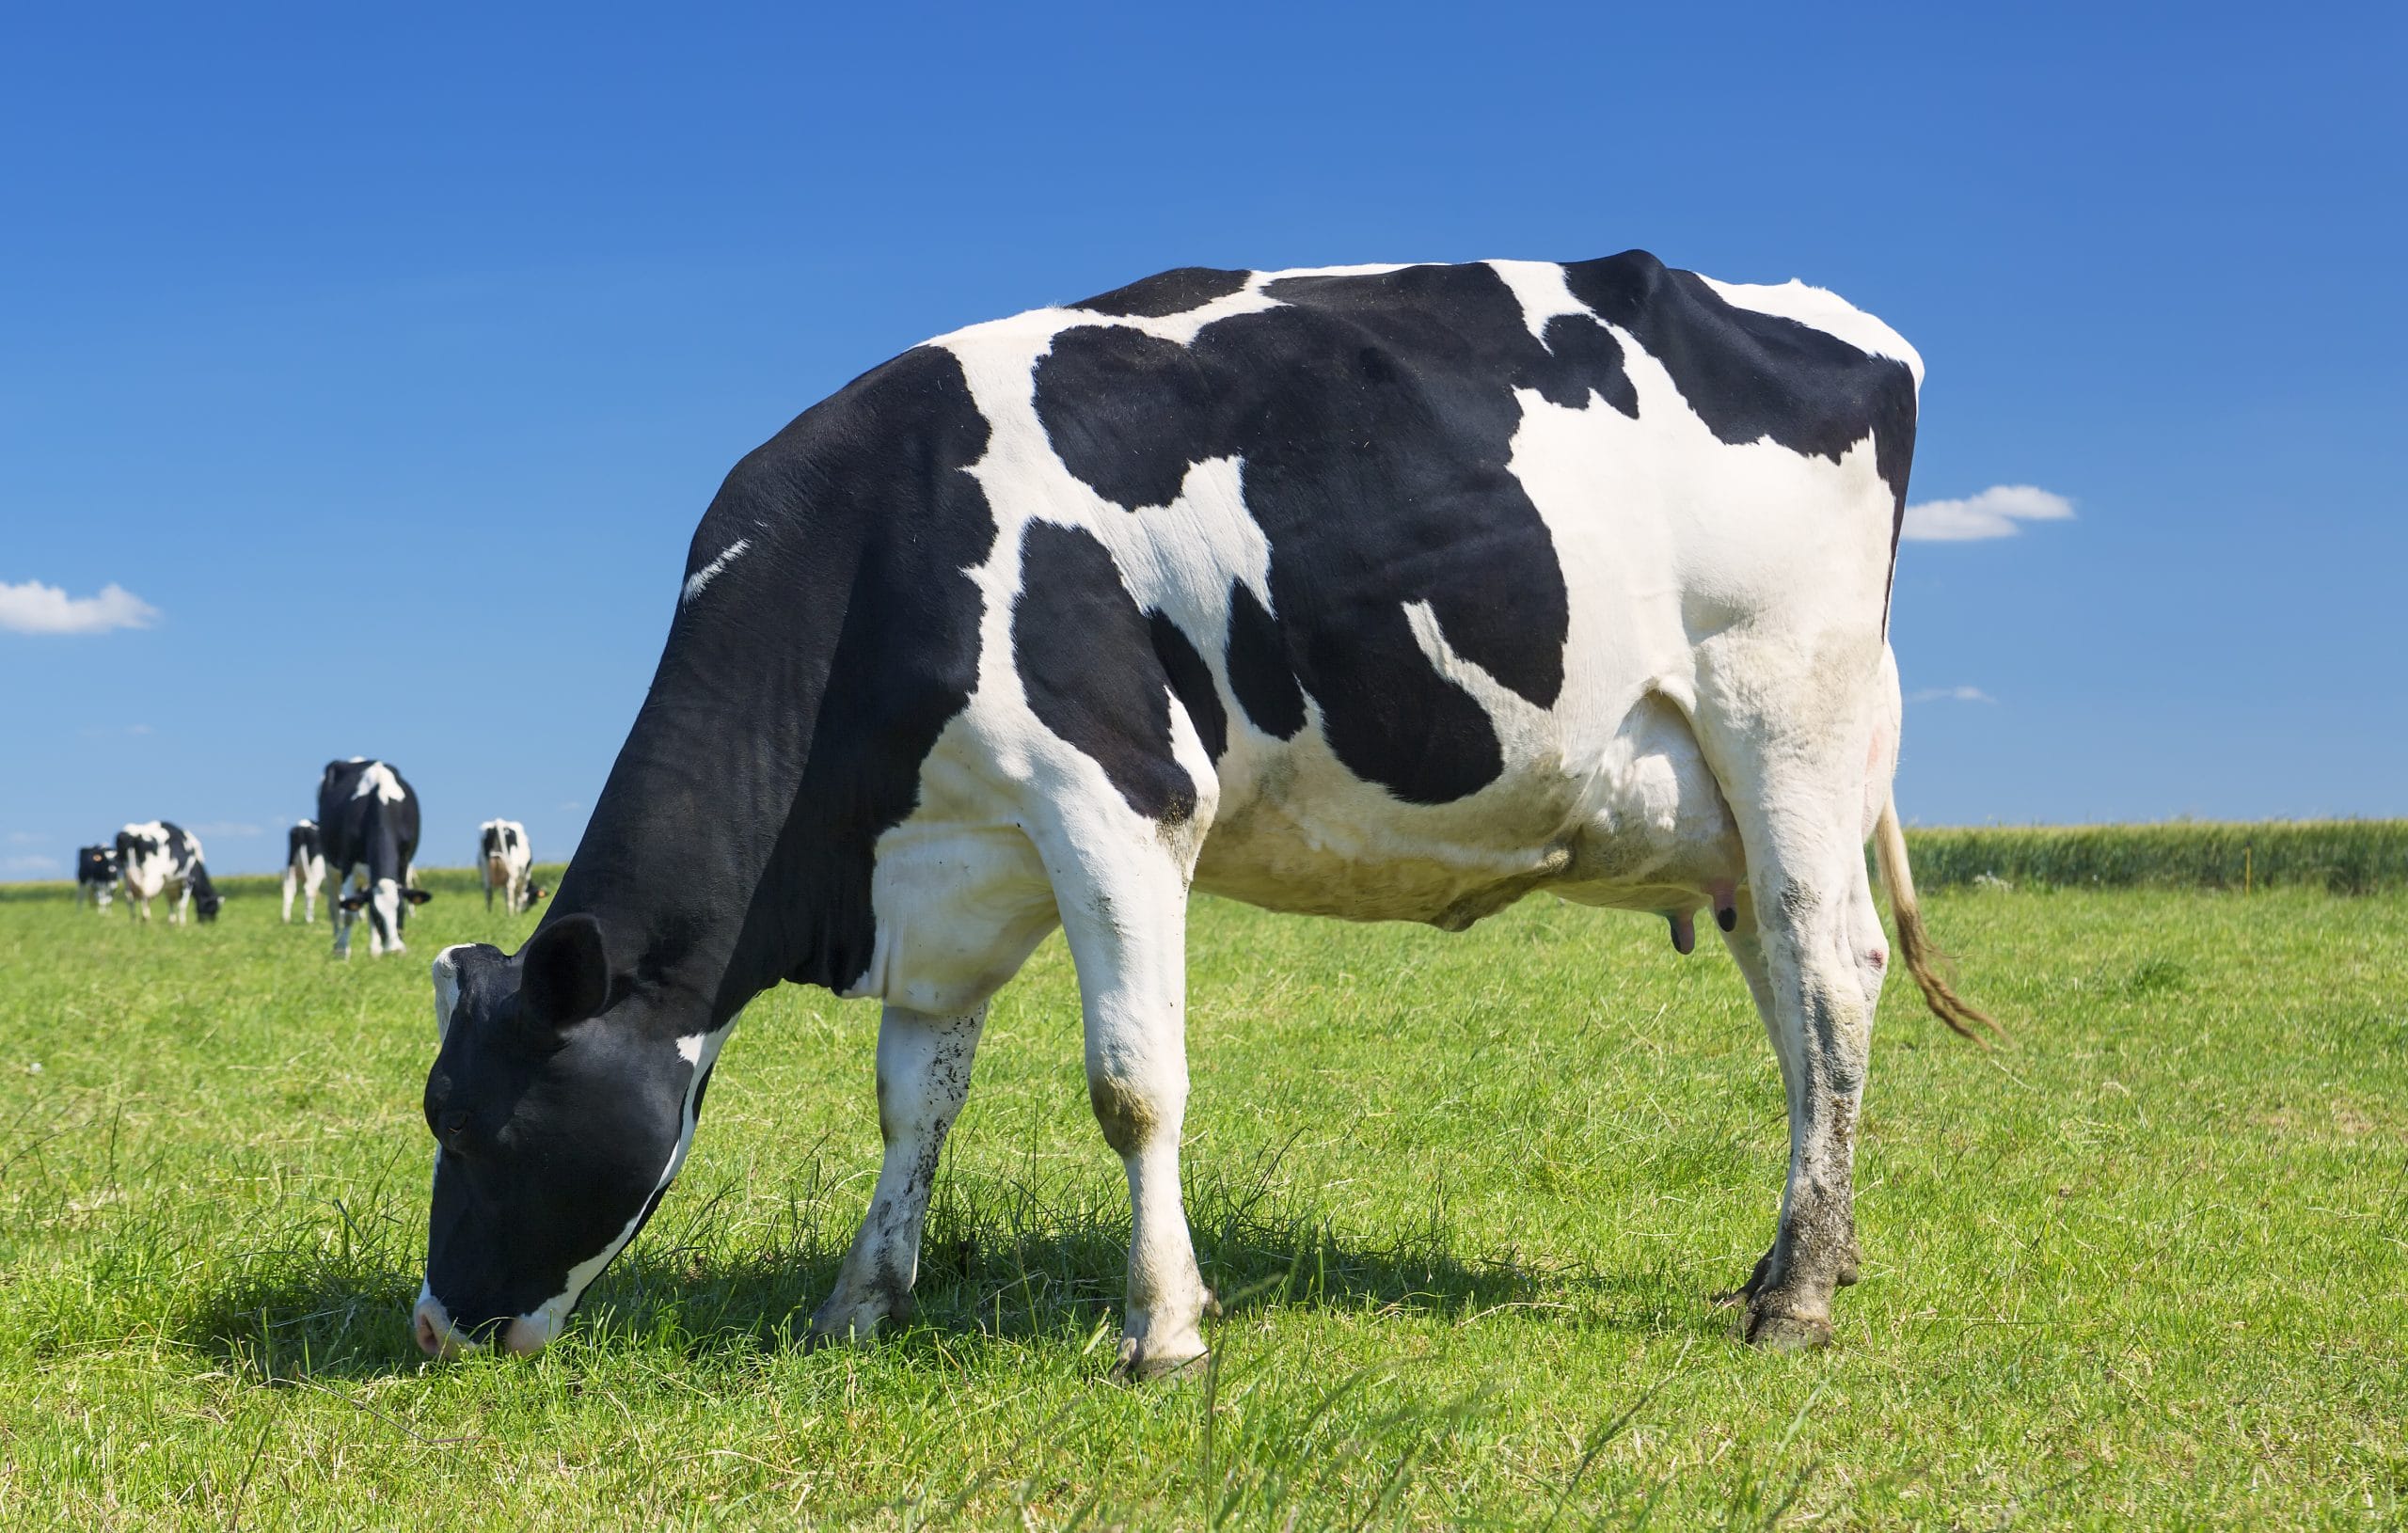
pixel 2347 856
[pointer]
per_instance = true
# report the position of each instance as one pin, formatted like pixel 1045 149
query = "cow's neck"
pixel 686 861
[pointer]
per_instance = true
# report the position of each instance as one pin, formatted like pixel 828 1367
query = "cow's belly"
pixel 1634 821
pixel 1631 819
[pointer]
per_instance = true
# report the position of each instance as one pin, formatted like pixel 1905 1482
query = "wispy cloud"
pixel 23 838
pixel 1998 511
pixel 31 864
pixel 1950 694
pixel 33 608
pixel 231 829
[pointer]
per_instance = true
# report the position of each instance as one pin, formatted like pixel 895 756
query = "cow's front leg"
pixel 1127 931
pixel 337 915
pixel 923 1078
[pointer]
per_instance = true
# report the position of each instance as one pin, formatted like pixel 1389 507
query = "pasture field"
pixel 1467 1198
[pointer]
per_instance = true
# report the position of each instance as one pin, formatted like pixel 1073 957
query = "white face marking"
pixel 704 577
pixel 447 988
pixel 385 917
pixel 700 1051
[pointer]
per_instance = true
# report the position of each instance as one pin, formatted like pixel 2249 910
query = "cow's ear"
pixel 416 896
pixel 565 972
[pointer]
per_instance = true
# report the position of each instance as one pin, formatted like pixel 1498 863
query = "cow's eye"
pixel 451 1131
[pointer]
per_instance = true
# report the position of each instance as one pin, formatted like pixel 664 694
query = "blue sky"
pixel 385 360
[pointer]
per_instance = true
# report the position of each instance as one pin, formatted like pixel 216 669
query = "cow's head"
pixel 561 1101
pixel 384 901
pixel 206 900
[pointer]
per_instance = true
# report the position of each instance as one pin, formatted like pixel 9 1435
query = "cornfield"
pixel 2347 856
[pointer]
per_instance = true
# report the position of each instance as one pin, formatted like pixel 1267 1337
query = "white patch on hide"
pixel 704 577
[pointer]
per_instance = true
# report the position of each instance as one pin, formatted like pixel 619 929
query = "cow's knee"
pixel 1132 1106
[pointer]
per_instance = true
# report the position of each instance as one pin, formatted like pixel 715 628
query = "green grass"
pixel 1467 1196
pixel 2346 857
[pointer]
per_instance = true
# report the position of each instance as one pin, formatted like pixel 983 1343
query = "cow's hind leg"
pixel 1790 755
pixel 923 1078
pixel 1747 947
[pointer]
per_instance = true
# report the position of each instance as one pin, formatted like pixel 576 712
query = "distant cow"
pixel 368 821
pixel 96 873
pixel 159 856
pixel 505 859
pixel 305 869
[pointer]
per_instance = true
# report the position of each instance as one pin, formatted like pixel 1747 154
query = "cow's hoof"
pixel 1787 1333
pixel 1143 1363
pixel 841 1322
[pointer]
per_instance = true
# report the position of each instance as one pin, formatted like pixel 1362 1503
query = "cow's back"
pixel 1393 583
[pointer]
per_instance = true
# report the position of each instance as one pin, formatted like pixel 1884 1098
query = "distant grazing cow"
pixel 96 873
pixel 368 822
pixel 305 869
pixel 505 859
pixel 1392 593
pixel 159 856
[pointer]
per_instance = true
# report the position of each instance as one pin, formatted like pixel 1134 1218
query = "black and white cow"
pixel 305 870
pixel 159 856
pixel 506 857
pixel 96 875
pixel 368 824
pixel 1383 592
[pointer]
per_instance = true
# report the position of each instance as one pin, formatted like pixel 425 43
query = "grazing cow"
pixel 368 821
pixel 305 869
pixel 1382 593
pixel 505 859
pixel 96 872
pixel 159 856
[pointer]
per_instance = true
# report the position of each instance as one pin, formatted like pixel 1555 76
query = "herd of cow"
pixel 366 834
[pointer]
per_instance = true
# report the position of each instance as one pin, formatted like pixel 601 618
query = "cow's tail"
pixel 1914 942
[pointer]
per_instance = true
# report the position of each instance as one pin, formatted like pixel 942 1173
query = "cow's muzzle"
pixel 438 1338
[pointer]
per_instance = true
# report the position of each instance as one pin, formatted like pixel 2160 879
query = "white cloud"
pixel 1951 694
pixel 232 829
pixel 1996 513
pixel 31 864
pixel 36 609
pixel 22 838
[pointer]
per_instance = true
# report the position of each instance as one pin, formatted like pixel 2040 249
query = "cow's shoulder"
pixel 883 453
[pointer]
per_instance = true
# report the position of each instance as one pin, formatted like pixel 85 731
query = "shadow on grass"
pixel 999 1259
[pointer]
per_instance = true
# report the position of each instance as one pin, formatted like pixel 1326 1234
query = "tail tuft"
pixel 1923 957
